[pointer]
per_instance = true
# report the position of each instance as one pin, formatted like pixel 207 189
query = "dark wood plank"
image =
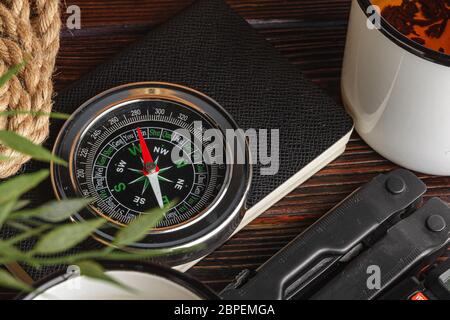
pixel 128 13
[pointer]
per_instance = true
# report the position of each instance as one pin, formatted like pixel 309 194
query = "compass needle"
pixel 164 169
pixel 137 180
pixel 164 179
pixel 154 182
pixel 146 183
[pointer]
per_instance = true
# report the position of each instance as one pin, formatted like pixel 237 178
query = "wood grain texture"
pixel 311 33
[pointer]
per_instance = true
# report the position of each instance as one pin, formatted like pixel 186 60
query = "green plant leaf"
pixel 140 227
pixel 65 259
pixel 15 187
pixel 20 205
pixel 11 73
pixel 53 115
pixel 5 158
pixel 5 211
pixel 26 234
pixel 55 211
pixel 67 236
pixel 9 282
pixel 7 249
pixel 95 271
pixel 24 146
pixel 25 225
pixel 18 226
pixel 104 254
pixel 10 254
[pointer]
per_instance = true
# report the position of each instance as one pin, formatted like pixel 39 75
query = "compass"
pixel 141 146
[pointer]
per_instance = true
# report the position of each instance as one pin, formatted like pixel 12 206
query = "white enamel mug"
pixel 398 93
pixel 143 281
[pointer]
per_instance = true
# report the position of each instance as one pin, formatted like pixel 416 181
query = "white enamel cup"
pixel 143 281
pixel 398 93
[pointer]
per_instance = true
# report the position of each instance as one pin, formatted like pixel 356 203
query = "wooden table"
pixel 311 33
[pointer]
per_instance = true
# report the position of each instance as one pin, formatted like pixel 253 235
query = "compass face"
pixel 140 147
pixel 110 166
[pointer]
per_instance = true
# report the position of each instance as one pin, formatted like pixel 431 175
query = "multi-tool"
pixel 368 243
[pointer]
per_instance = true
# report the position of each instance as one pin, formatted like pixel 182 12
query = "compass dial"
pixel 139 147
pixel 110 166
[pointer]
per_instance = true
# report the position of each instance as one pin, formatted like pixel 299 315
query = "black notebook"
pixel 211 49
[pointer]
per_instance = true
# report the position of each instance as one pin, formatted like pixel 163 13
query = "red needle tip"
pixel 146 155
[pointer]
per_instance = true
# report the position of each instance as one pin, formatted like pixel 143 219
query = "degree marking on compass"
pixel 137 180
pixel 104 200
pixel 118 205
pixel 164 179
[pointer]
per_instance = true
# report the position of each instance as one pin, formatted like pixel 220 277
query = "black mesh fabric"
pixel 211 49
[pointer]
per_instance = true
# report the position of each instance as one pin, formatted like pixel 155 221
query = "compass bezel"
pixel 206 231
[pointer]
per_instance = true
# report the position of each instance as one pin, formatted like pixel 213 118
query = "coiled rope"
pixel 29 30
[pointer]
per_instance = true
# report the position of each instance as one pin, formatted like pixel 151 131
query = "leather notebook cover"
pixel 211 49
